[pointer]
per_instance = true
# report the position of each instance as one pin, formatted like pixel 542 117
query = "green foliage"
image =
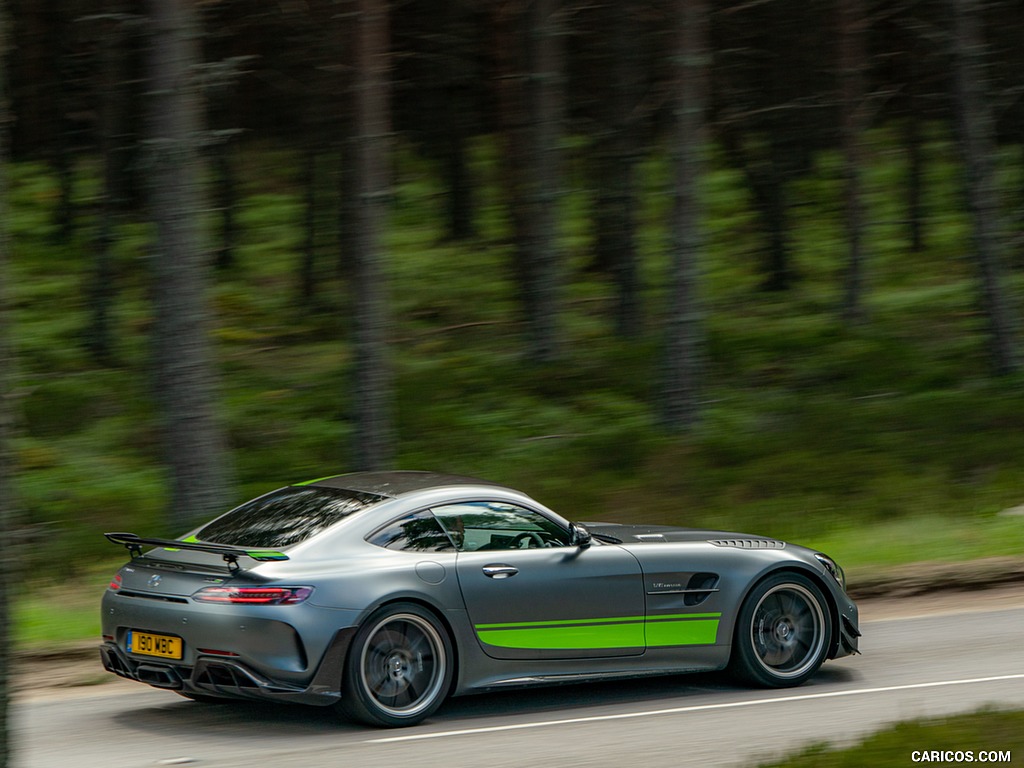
pixel 984 731
pixel 847 437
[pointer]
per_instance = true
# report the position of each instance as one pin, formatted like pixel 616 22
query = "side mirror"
pixel 579 536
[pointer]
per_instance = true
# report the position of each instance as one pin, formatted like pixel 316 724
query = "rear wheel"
pixel 399 668
pixel 783 632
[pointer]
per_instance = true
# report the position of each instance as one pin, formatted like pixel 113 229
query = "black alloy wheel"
pixel 399 668
pixel 783 632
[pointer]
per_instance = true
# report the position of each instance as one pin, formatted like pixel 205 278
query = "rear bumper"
pixel 232 679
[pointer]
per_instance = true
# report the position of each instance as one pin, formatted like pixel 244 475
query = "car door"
pixel 531 595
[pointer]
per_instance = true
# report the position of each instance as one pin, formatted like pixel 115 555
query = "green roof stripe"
pixel 317 480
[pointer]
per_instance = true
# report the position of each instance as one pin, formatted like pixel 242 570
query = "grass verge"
pixel 995 733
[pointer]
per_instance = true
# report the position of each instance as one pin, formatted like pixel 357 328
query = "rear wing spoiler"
pixel 133 542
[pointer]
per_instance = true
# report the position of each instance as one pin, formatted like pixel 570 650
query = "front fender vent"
pixel 749 543
pixel 700 587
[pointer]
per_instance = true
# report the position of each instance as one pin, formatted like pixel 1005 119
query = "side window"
pixel 419 532
pixel 488 525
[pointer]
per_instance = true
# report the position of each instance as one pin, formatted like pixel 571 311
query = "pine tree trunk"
pixel 344 144
pixel 6 409
pixel 348 197
pixel 529 44
pixel 914 142
pixel 975 126
pixel 459 201
pixel 770 194
pixel 615 209
pixel 373 441
pixel 227 202
pixel 852 63
pixel 307 264
pixel 513 119
pixel 915 183
pixel 547 107
pixel 459 208
pixel 194 442
pixel 101 293
pixel 7 514
pixel 63 159
pixel 685 341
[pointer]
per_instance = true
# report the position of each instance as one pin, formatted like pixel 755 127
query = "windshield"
pixel 285 517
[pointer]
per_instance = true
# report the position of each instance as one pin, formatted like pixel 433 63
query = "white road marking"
pixel 696 708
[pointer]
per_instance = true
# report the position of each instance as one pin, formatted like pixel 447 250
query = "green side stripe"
pixel 611 620
pixel 661 634
pixel 593 634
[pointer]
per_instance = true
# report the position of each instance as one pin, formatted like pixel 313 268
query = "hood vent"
pixel 749 543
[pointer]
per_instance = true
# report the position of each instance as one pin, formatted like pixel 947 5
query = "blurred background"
pixel 753 265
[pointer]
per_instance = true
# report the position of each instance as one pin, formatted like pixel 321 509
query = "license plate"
pixel 147 644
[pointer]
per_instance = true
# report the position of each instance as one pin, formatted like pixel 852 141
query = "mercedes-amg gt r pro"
pixel 385 593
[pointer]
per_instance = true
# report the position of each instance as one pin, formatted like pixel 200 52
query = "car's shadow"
pixel 259 720
pixel 661 692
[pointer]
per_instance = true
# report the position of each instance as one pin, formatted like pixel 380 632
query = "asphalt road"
pixel 920 658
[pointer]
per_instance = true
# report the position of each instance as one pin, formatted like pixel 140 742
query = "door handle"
pixel 500 571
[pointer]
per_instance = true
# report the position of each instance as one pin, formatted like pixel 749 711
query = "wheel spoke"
pixel 384 684
pixel 400 698
pixel 803 645
pixel 774 656
pixel 384 642
pixel 413 690
pixel 419 645
pixel 800 618
pixel 787 603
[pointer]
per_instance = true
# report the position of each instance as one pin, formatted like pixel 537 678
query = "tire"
pixel 399 668
pixel 783 632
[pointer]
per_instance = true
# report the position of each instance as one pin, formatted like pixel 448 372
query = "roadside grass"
pixel 865 550
pixel 52 617
pixel 54 622
pixel 985 731
pixel 883 443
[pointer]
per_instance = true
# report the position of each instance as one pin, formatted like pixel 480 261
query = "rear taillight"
pixel 115 583
pixel 253 595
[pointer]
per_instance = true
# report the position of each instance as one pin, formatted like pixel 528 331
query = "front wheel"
pixel 783 632
pixel 399 668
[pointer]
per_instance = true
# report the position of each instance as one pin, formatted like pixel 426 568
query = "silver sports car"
pixel 384 593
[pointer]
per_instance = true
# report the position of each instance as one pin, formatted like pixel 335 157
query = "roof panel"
pixel 398 482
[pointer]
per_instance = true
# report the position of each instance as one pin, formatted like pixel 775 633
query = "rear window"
pixel 285 517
